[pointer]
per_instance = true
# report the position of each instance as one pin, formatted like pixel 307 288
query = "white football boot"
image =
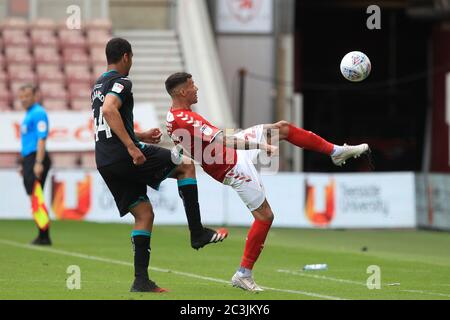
pixel 245 283
pixel 349 152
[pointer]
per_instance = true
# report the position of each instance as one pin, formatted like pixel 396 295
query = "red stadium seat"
pixel 71 39
pixel 97 55
pixel 14 54
pixel 44 37
pixel 43 24
pixel 52 90
pixel 75 55
pixel 46 54
pixel 24 76
pixel 15 67
pixel 13 37
pixel 81 104
pixel 52 76
pixel 98 40
pixel 15 23
pixel 5 95
pixel 55 104
pixel 99 24
pixel 79 90
pixel 77 73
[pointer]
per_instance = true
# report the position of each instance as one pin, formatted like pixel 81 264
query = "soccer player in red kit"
pixel 230 160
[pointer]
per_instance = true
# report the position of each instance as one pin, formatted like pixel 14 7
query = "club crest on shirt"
pixel 206 130
pixel 170 117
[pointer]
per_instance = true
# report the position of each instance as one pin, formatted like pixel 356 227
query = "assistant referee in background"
pixel 35 162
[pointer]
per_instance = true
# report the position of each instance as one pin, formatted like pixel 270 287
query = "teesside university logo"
pixel 83 199
pixel 320 218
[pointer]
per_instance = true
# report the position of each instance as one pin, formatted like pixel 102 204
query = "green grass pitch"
pixel 413 264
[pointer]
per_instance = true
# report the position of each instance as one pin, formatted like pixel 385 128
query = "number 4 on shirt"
pixel 100 124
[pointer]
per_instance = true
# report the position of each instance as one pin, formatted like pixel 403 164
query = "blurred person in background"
pixel 35 162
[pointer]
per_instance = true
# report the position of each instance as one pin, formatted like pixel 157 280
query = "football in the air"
pixel 355 66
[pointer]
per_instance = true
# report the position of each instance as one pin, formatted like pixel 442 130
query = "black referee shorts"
pixel 28 174
pixel 128 183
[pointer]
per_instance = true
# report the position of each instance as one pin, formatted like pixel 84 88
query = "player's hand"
pixel 152 136
pixel 38 170
pixel 137 155
pixel 21 170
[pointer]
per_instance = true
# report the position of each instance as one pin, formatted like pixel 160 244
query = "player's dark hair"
pixel 116 48
pixel 29 86
pixel 175 80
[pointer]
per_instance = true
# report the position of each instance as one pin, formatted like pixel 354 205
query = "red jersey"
pixel 196 135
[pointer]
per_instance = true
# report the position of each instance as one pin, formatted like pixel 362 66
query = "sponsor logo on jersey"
pixel 117 87
pixel 42 126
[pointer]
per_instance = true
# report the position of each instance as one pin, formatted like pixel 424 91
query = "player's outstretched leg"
pixel 310 141
pixel 140 238
pixel 243 278
pixel 188 191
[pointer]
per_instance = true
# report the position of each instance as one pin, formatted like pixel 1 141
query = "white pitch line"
pixel 128 264
pixel 322 277
pixel 428 293
pixel 358 283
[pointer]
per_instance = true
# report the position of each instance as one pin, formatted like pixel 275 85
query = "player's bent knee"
pixel 185 170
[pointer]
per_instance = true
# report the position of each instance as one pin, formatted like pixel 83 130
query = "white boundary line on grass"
pixel 357 282
pixel 128 264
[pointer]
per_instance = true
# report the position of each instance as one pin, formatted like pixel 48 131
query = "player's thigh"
pixel 158 166
pixel 126 191
pixel 245 180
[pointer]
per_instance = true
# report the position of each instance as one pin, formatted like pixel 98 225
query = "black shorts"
pixel 128 183
pixel 28 173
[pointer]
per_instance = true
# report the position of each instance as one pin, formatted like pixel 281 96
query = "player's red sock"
pixel 255 242
pixel 309 140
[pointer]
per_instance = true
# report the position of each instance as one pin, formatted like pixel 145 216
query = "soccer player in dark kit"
pixel 128 165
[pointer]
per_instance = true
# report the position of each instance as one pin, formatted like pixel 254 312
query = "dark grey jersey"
pixel 108 147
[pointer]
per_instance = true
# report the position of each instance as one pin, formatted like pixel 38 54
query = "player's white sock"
pixel 337 150
pixel 244 272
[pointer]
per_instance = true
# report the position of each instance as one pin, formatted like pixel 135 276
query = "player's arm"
pixel 111 113
pixel 241 144
pixel 42 133
pixel 150 136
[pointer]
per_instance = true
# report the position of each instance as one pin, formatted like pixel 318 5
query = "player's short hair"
pixel 175 80
pixel 116 48
pixel 28 86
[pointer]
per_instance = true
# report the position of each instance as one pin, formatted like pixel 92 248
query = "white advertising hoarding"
pixel 297 200
pixel 69 130
pixel 245 16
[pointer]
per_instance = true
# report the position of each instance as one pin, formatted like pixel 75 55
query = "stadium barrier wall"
pixel 433 201
pixel 69 130
pixel 382 200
